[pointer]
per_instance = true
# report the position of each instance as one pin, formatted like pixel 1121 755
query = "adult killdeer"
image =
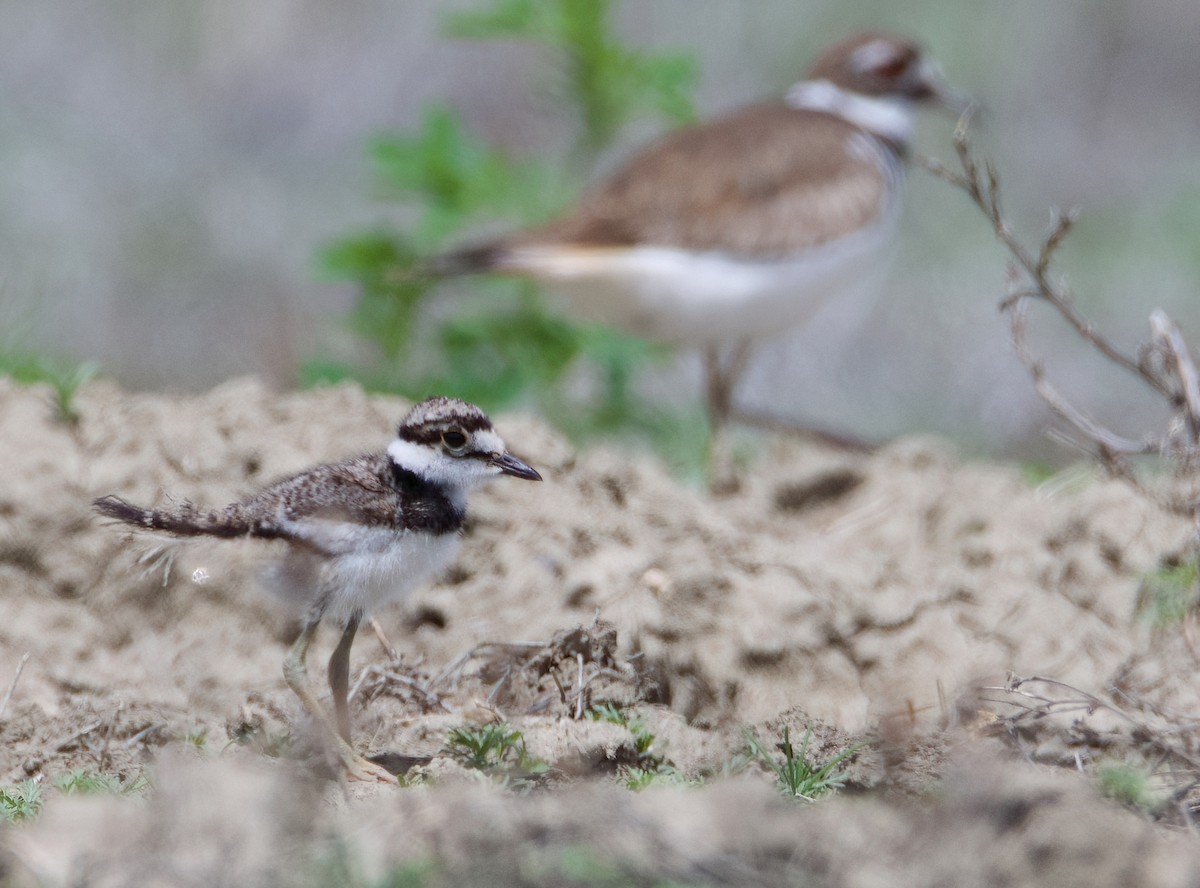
pixel 360 533
pixel 738 229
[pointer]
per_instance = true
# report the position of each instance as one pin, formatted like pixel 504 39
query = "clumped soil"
pixel 989 642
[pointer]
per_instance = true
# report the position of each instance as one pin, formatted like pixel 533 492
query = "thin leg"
pixel 736 367
pixel 714 388
pixel 295 673
pixel 721 379
pixel 339 678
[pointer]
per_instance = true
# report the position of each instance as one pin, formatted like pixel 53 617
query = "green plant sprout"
pixel 652 768
pixel 81 782
pixel 795 777
pixel 498 344
pixel 497 750
pixel 65 380
pixel 1169 594
pixel 1130 785
pixel 20 802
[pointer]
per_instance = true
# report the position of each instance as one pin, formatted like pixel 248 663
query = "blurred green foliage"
pixel 1168 594
pixel 20 802
pixel 608 83
pixel 495 342
pixel 65 379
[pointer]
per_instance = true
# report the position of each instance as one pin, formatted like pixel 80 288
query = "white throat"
pixel 456 477
pixel 890 118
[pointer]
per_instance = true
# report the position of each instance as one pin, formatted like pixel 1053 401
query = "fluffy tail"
pixel 186 520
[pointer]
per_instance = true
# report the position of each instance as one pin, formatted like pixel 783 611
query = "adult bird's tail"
pixel 467 260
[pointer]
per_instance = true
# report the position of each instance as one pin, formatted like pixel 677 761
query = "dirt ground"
pixel 985 637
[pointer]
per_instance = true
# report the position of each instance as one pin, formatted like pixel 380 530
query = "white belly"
pixel 372 568
pixel 671 295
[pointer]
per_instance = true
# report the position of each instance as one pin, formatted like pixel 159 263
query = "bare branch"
pixel 982 188
pixel 13 686
pixel 1164 364
pixel 1110 443
pixel 1168 337
pixel 1063 221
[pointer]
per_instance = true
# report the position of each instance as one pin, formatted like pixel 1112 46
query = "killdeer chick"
pixel 735 230
pixel 359 533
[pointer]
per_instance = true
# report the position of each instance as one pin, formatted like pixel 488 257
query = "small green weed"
pixel 652 768
pixel 1128 785
pixel 643 740
pixel 81 782
pixel 797 778
pixel 1168 594
pixel 20 802
pixel 499 751
pixel 664 774
pixel 1037 473
pixel 66 380
pixel 487 746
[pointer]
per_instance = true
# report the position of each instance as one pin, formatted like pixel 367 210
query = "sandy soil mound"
pixel 856 595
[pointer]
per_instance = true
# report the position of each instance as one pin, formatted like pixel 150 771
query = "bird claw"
pixel 357 769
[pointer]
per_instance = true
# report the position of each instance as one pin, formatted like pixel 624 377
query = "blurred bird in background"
pixel 732 231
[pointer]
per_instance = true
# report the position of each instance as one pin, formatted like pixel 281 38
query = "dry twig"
pixel 1164 364
pixel 13 684
pixel 1038 697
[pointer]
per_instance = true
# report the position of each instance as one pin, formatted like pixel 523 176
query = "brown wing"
pixel 356 490
pixel 768 180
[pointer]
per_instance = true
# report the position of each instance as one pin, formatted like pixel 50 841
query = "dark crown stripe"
pixel 431 432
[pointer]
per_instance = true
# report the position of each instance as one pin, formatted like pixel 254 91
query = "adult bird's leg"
pixel 295 673
pixel 339 677
pixel 721 379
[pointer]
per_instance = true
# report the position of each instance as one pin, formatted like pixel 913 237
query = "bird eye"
pixel 454 439
pixel 883 59
pixel 892 68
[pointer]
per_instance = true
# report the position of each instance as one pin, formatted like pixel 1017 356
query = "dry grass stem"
pixel 12 686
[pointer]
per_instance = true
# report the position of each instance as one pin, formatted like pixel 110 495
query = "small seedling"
pixel 486 747
pixel 497 750
pixel 797 778
pixel 1128 785
pixel 652 768
pixel 66 380
pixel 81 782
pixel 643 740
pixel 1168 594
pixel 20 802
pixel 638 778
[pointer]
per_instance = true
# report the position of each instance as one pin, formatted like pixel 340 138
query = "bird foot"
pixel 357 769
pixel 362 770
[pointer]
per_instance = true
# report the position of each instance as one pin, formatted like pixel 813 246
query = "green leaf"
pixel 508 19
pixel 504 348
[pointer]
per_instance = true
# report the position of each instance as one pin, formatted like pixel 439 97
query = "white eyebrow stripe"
pixel 872 55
